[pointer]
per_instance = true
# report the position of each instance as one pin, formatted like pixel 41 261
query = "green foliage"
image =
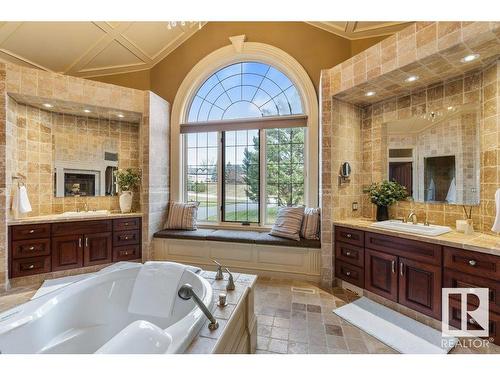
pixel 386 193
pixel 284 160
pixel 197 187
pixel 127 179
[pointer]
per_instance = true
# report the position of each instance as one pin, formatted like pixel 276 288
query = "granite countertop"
pixel 206 341
pixel 58 218
pixel 480 242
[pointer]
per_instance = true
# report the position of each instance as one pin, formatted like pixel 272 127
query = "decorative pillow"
pixel 311 224
pixel 182 215
pixel 288 223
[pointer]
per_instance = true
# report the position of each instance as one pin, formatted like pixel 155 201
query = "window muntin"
pixel 201 173
pixel 245 90
pixel 241 181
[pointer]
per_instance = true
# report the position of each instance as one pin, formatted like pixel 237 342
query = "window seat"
pixel 239 236
pixel 241 251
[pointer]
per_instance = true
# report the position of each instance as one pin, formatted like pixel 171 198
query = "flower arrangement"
pixel 387 193
pixel 127 179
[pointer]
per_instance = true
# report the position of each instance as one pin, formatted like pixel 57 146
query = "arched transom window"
pixel 244 145
pixel 245 90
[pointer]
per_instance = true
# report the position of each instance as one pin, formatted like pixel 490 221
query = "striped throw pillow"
pixel 311 224
pixel 182 215
pixel 288 223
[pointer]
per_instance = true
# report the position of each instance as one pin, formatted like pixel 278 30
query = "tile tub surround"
pixel 153 137
pixel 240 306
pixel 479 242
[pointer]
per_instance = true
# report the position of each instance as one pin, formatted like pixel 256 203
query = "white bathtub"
pixel 132 308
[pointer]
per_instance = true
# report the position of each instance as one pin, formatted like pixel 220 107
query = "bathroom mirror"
pixel 436 155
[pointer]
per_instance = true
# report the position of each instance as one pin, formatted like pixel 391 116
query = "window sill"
pixel 255 227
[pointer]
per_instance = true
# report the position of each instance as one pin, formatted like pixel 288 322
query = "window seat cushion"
pixel 241 236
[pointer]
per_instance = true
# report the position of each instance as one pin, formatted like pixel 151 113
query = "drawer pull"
pixel 401 269
pixel 32 231
pixel 472 262
pixel 347 253
pixel 393 266
pixel 126 224
pixel 126 237
pixel 348 235
pixel 32 247
pixel 348 273
pixel 80 242
pixel 125 253
pixel 31 266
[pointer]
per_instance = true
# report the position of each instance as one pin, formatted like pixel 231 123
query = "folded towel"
pixel 24 202
pixel 496 224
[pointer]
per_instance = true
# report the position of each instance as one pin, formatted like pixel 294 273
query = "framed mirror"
pixel 436 156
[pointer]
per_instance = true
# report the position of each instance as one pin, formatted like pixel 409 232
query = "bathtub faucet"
pixel 186 292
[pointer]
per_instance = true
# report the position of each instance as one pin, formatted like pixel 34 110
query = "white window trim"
pixel 234 53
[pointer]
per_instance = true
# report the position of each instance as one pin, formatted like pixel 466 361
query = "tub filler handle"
pixel 186 292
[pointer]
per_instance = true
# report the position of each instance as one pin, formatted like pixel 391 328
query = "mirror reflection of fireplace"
pixel 79 184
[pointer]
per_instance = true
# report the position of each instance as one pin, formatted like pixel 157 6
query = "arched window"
pixel 255 117
pixel 245 90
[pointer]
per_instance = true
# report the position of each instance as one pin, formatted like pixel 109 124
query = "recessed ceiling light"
pixel 120 115
pixel 47 105
pixel 469 58
pixel 87 110
pixel 412 78
pixel 370 93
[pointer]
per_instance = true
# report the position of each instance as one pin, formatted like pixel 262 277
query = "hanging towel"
pixel 496 224
pixel 24 202
pixel 451 197
pixel 15 201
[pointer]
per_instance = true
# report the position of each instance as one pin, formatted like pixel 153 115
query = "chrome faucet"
pixel 413 217
pixel 86 207
pixel 186 292
pixel 218 275
pixel 230 282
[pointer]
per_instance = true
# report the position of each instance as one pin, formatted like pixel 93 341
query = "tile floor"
pixel 293 317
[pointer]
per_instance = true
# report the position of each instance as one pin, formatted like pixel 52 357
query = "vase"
pixel 382 213
pixel 126 201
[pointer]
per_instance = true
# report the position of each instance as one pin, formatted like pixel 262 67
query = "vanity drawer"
pixel 415 250
pixel 30 266
pixel 24 232
pixel 494 321
pixel 129 237
pixel 351 274
pixel 30 248
pixel 473 263
pixel 81 227
pixel 350 254
pixel 130 252
pixel 456 279
pixel 350 236
pixel 126 224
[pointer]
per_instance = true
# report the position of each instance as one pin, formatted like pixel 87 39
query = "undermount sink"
pixel 85 213
pixel 427 230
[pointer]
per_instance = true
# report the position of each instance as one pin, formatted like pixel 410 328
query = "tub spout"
pixel 186 292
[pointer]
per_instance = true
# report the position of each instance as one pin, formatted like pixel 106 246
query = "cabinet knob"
pixel 472 262
pixel 348 253
pixel 125 253
pixel 348 235
pixel 348 273
pixel 32 231
pixel 126 224
pixel 32 247
pixel 31 266
pixel 126 237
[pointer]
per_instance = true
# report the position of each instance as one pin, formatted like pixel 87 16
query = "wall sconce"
pixel 345 173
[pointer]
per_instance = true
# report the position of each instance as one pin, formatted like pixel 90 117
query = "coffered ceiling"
pixel 361 29
pixel 87 49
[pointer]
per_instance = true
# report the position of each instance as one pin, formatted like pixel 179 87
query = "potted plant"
pixel 127 181
pixel 384 194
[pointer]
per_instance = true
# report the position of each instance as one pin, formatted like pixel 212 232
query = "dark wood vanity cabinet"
pixel 412 273
pixel 41 248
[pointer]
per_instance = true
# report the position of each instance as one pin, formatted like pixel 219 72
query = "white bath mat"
pixel 396 330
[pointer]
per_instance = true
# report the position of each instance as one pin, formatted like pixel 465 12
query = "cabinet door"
pixel 420 287
pixel 97 249
pixel 381 275
pixel 67 252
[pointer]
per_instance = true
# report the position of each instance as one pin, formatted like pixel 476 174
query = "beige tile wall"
pixel 476 87
pixel 38 138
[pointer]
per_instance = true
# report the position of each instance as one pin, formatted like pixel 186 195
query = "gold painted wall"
pixel 313 48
